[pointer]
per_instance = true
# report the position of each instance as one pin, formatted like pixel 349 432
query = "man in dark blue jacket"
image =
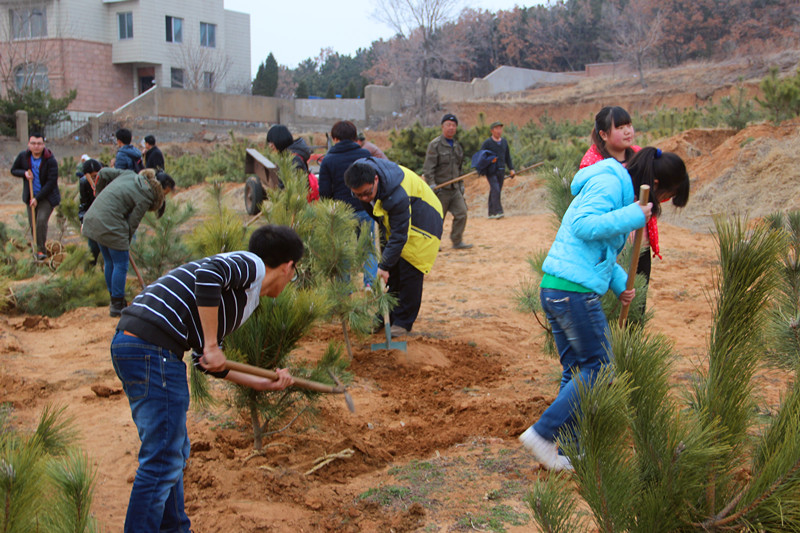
pixel 331 179
pixel 128 157
pixel 38 167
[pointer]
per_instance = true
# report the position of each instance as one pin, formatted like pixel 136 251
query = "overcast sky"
pixel 296 30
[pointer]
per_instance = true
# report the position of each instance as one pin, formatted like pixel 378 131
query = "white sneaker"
pixel 564 464
pixel 545 451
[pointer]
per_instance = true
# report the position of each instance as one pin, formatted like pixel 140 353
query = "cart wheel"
pixel 253 195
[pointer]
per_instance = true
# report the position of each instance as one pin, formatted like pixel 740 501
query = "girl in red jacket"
pixel 612 136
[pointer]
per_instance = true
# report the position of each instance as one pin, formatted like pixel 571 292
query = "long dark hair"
pixel 608 118
pixel 650 164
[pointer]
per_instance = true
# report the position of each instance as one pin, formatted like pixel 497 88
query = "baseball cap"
pixel 495 124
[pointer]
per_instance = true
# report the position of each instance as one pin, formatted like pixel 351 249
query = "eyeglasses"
pixel 365 195
pixel 294 269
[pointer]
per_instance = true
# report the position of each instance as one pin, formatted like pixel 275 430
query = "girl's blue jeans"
pixel 115 265
pixel 154 380
pixel 580 329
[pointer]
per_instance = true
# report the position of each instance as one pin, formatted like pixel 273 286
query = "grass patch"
pixel 493 519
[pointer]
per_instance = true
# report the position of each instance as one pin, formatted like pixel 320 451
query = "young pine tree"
pixel 646 462
pixel 45 483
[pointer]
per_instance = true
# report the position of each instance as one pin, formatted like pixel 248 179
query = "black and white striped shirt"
pixel 165 313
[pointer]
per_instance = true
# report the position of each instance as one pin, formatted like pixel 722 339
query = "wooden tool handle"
pixel 644 194
pixel 298 382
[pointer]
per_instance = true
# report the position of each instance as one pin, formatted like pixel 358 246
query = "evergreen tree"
pixel 45 483
pixel 259 88
pixel 302 89
pixel 330 93
pixel 266 80
pixel 351 91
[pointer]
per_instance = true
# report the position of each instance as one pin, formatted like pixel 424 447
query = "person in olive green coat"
pixel 123 198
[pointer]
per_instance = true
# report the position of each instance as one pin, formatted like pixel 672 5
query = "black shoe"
pixel 116 307
pixel 462 246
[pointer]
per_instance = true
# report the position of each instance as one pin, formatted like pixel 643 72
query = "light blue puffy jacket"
pixel 594 229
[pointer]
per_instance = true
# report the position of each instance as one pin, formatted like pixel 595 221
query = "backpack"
pixel 138 166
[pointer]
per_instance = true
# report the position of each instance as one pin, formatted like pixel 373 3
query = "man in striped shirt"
pixel 192 307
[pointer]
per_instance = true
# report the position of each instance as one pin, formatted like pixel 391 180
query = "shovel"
pixel 298 382
pixel 389 344
pixel 33 223
pixel 644 193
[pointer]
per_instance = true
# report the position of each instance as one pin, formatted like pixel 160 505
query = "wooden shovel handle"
pixel 644 194
pixel 298 382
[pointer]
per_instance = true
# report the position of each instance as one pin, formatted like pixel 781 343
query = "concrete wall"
pixel 458 91
pixel 511 79
pixel 203 105
pixel 617 68
pixel 381 101
pixel 330 110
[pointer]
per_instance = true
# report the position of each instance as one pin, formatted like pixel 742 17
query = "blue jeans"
pixel 371 266
pixel 154 380
pixel 580 329
pixel 115 269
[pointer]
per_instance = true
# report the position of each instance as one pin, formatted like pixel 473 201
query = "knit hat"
pixel 449 116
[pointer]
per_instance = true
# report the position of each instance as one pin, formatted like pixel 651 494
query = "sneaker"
pixel 545 451
pixel 398 331
pixel 41 256
pixel 462 246
pixel 563 463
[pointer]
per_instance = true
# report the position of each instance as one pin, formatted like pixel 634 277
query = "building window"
pixel 31 76
pixel 176 76
pixel 125 21
pixel 174 29
pixel 208 35
pixel 208 81
pixel 28 23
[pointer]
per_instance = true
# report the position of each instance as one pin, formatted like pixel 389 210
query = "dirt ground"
pixel 432 445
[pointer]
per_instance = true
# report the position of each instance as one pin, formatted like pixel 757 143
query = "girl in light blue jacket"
pixel 582 265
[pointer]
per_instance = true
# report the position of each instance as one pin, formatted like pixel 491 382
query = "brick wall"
pixel 101 85
pixel 82 65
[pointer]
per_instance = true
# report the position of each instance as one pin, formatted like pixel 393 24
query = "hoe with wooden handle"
pixel 644 193
pixel 298 382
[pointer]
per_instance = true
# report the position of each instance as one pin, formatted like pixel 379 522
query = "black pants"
pixel 405 282
pixel 495 190
pixel 43 212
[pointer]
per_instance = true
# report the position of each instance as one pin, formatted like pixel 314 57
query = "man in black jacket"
pixel 341 155
pixel 497 144
pixel 152 155
pixel 39 168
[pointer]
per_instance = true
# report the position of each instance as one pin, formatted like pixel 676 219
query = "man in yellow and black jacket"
pixel 410 216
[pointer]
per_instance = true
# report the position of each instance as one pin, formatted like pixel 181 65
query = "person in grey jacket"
pixel 123 198
pixel 443 161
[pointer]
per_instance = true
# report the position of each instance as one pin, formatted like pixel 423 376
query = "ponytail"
pixel 650 164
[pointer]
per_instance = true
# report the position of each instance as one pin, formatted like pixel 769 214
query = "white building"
pixel 110 51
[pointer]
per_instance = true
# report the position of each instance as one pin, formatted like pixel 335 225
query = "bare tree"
pixel 286 84
pixel 635 31
pixel 418 22
pixel 25 49
pixel 204 68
